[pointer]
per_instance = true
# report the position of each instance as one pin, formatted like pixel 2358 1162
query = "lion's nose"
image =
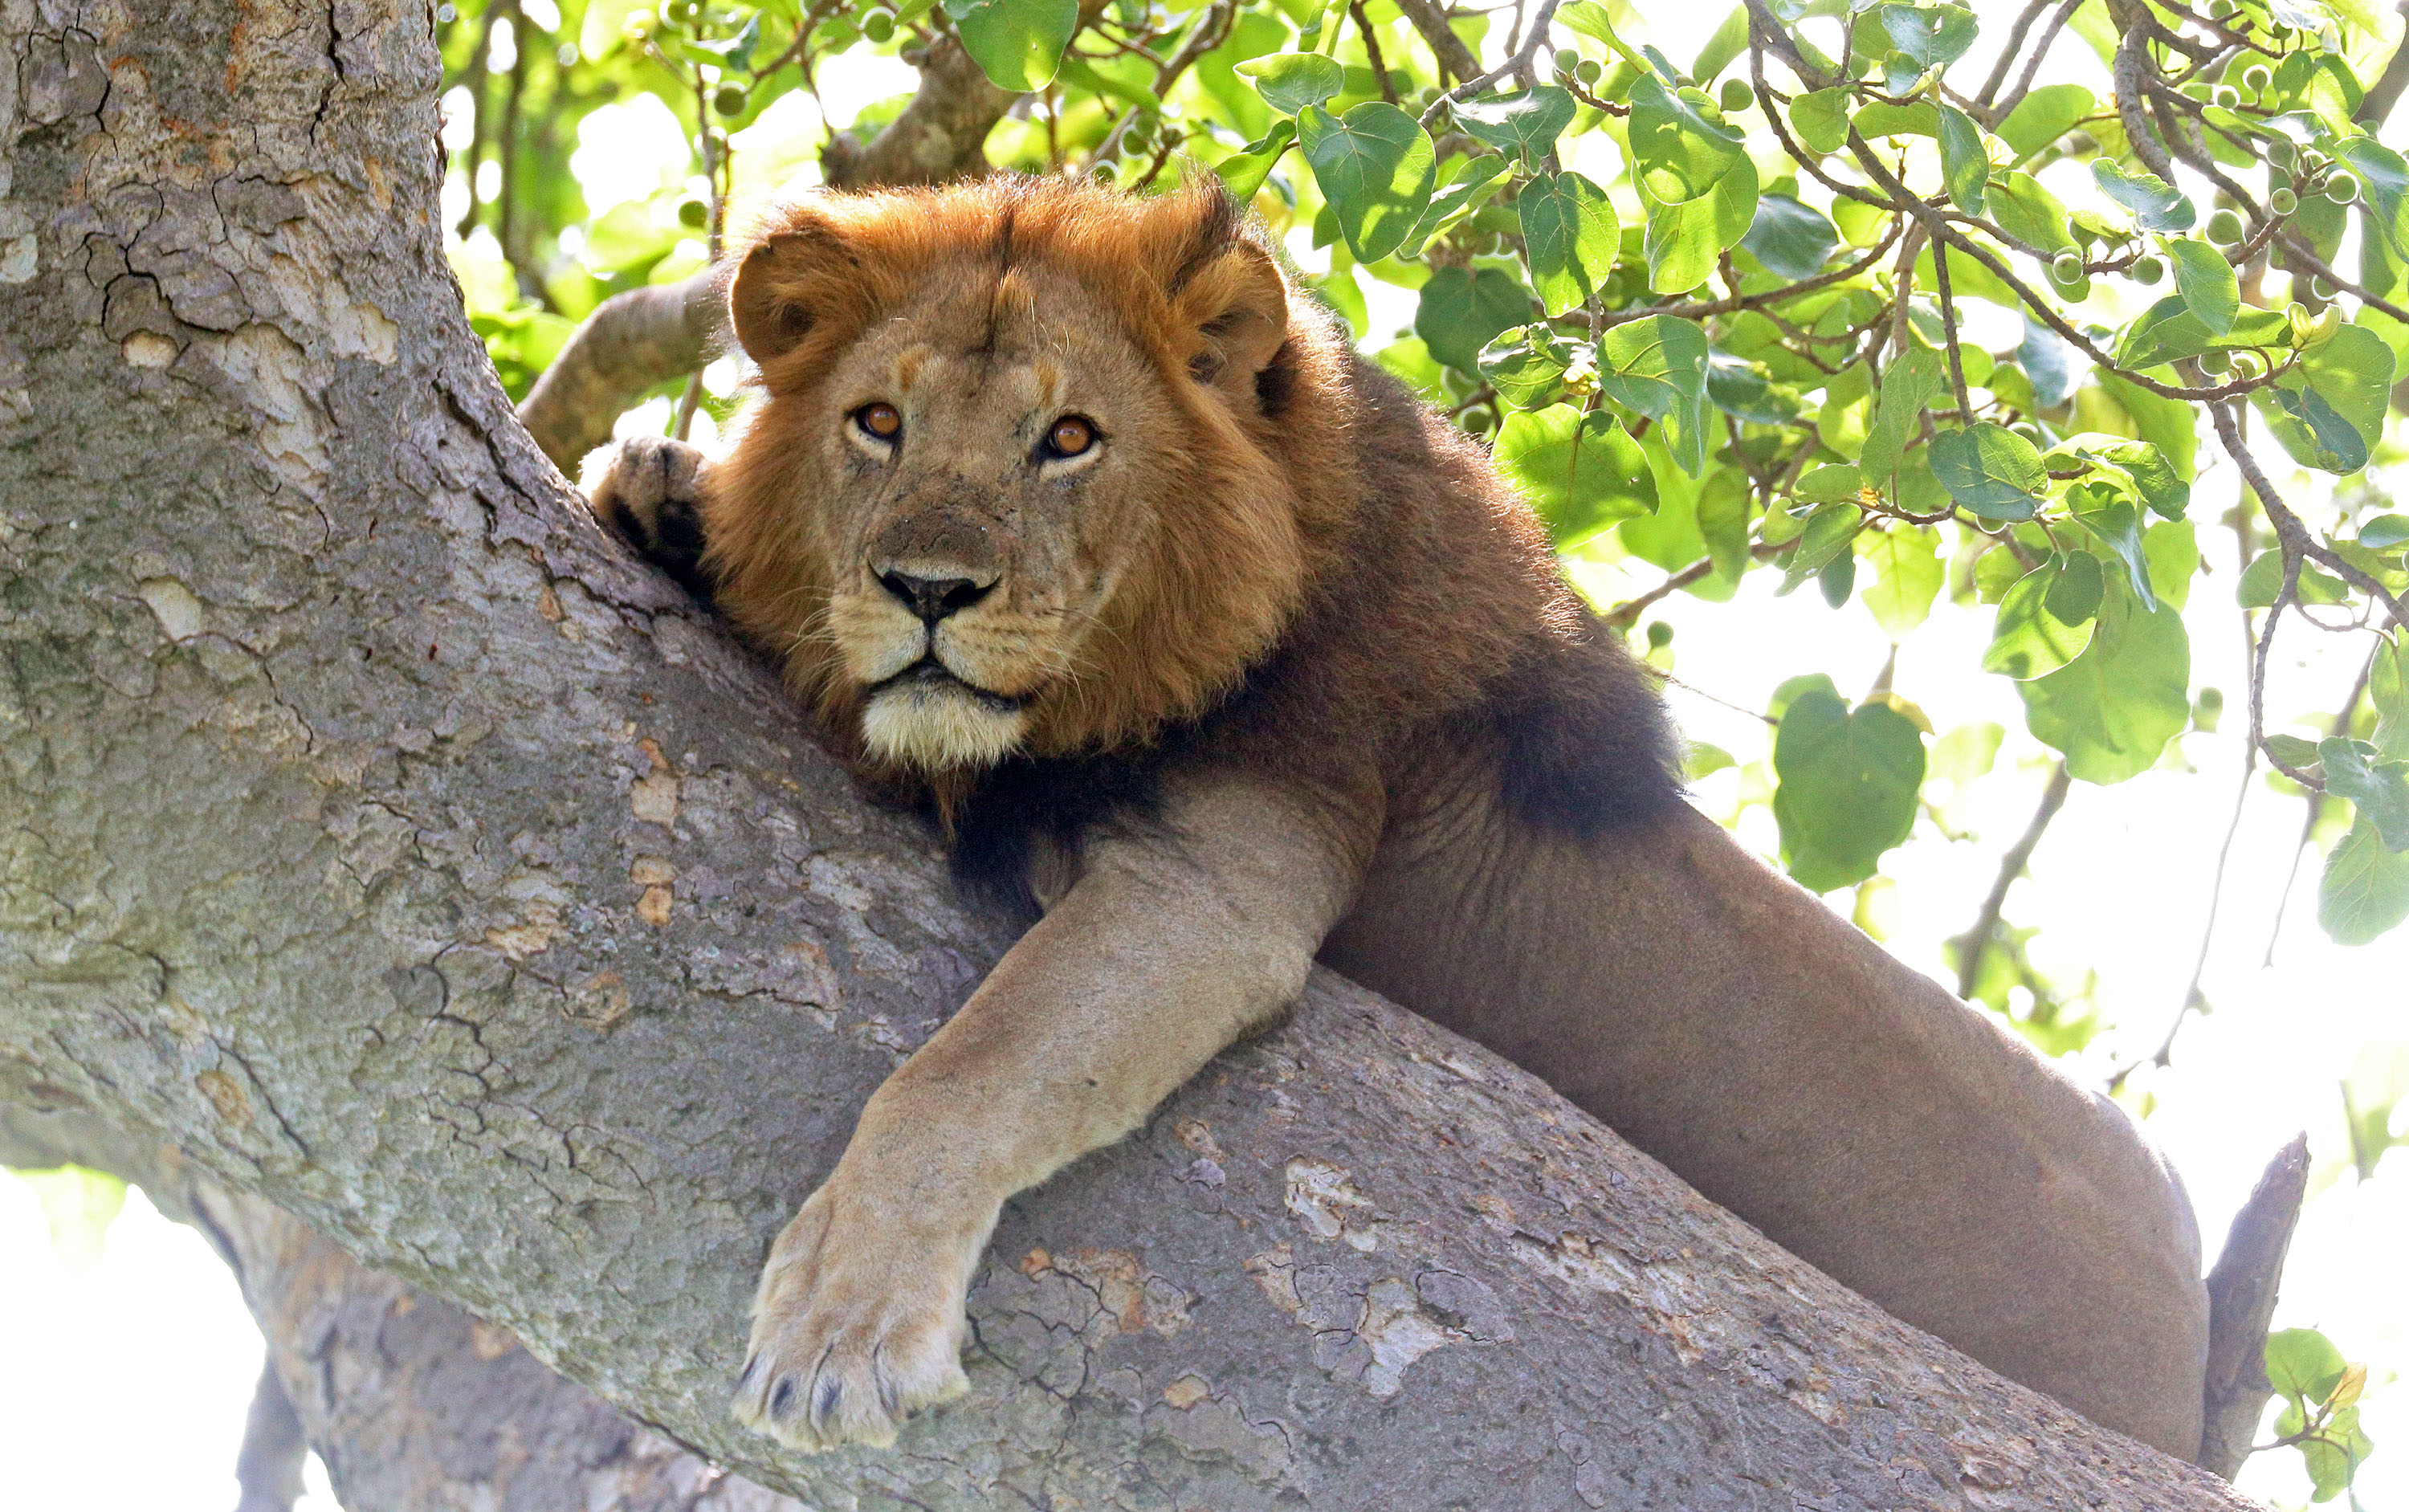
pixel 933 598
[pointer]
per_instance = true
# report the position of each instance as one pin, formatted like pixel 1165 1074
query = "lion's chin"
pixel 939 723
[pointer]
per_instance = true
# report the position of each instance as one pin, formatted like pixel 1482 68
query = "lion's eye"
pixel 881 420
pixel 1071 435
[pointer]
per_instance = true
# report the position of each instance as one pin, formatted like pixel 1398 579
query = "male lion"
pixel 1070 516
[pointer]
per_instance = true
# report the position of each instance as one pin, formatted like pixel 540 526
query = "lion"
pixel 1071 518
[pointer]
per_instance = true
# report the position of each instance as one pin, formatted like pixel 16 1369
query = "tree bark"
pixel 378 836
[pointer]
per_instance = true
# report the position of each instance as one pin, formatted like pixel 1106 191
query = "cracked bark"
pixel 427 875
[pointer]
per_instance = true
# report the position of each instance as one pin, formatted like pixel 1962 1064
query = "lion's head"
pixel 1015 479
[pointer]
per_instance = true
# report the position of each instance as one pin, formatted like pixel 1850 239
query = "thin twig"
pixel 1976 941
pixel 1513 64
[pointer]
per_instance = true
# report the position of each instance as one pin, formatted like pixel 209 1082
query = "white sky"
pixel 2119 886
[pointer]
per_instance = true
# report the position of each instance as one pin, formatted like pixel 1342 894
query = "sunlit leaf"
pixel 1848 786
pixel 1581 472
pixel 1017 43
pixel 1376 166
pixel 1569 238
pixel 1990 470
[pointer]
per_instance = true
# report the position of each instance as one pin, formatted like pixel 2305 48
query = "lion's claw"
pixel 857 1326
pixel 647 489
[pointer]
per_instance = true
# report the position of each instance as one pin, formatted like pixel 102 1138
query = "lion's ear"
pixel 1226 292
pixel 791 279
pixel 1237 305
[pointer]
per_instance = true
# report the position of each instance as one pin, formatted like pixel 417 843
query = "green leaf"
pixel 1934 37
pixel 2173 548
pixel 1828 483
pixel 2169 331
pixel 1990 470
pixel 1681 148
pixel 1789 238
pixel 1848 781
pixel 1684 240
pixel 1375 168
pixel 1907 387
pixel 2113 709
pixel 1906 559
pixel 2117 523
pixel 2379 788
pixel 2387 689
pixel 2029 639
pixel 2031 213
pixel 2169 424
pixel 1819 119
pixel 1722 522
pixel 2206 282
pixel 1963 167
pixel 2329 412
pixel 2303 1365
pixel 2154 204
pixel 1525 365
pixel 1744 389
pixel 1474 180
pixel 1878 118
pixel 1590 18
pixel 2052 362
pixel 2381 532
pixel 1569 237
pixel 1018 43
pixel 2136 466
pixel 2263 579
pixel 2042 116
pixel 1289 82
pixel 1658 367
pixel 1580 472
pixel 2365 890
pixel 2383 186
pixel 1829 531
pixel 1463 311
pixel 1244 172
pixel 1526 125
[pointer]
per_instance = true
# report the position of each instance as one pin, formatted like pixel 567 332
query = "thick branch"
pixel 631 344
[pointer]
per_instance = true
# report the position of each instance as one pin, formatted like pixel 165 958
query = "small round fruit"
pixel 878 25
pixel 2219 9
pixel 2281 151
pixel 1568 60
pixel 2066 268
pixel 2224 228
pixel 684 12
pixel 729 101
pixel 2147 269
pixel 1736 95
pixel 1103 170
pixel 2256 77
pixel 2323 291
pixel 1660 635
pixel 694 214
pixel 2282 202
pixel 2341 188
pixel 2227 95
pixel 2214 363
pixel 1590 72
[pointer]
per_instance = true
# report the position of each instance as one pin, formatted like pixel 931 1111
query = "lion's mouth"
pixel 931 675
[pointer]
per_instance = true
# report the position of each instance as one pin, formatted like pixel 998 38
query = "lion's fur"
pixel 1283 670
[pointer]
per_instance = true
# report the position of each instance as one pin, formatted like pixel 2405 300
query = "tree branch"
pixel 1429 18
pixel 1976 941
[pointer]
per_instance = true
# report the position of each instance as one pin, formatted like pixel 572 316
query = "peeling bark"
pixel 375 834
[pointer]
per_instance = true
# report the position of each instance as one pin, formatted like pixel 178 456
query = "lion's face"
pixel 989 492
pixel 1001 494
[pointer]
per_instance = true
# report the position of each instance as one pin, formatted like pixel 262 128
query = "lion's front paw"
pixel 858 1323
pixel 647 489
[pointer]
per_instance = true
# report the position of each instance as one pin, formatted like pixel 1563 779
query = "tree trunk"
pixel 380 837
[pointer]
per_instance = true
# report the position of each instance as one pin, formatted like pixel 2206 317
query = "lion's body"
pixel 1276 669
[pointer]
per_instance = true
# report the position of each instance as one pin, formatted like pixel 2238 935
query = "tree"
pixel 417 865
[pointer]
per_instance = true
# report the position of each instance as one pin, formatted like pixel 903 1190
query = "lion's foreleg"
pixel 1168 945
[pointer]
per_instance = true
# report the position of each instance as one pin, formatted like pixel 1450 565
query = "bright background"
pixel 2120 888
